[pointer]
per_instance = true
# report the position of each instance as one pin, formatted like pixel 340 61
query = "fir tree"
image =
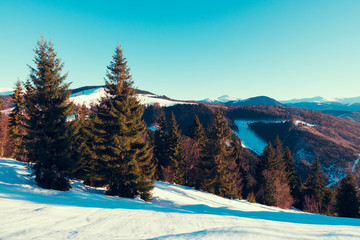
pixel 265 176
pixel 16 123
pixel 161 150
pixel 197 132
pixel 348 198
pixel 47 108
pixel 315 184
pixel 83 150
pixel 293 179
pixel 120 131
pixel 176 155
pixel 218 177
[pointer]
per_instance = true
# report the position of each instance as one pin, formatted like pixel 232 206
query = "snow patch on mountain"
pixel 6 91
pixel 248 137
pixel 93 96
pixel 221 99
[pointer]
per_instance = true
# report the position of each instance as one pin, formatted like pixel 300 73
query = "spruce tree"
pixel 197 132
pixel 16 123
pixel 293 179
pixel 120 130
pixel 265 170
pixel 161 148
pixel 218 177
pixel 47 107
pixel 176 155
pixel 315 184
pixel 348 198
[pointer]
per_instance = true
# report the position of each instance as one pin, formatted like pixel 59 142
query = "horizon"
pixel 193 51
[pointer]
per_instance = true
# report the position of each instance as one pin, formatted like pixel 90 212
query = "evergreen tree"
pixel 120 131
pixel 218 177
pixel 176 155
pixel 315 184
pixel 293 179
pixel 265 178
pixel 16 123
pixel 161 150
pixel 197 132
pixel 279 154
pixel 83 149
pixel 47 107
pixel 348 198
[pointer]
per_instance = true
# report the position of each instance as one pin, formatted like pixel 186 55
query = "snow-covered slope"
pixel 93 96
pixel 176 212
pixel 6 91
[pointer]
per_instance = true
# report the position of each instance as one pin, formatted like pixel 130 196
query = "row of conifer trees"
pixel 109 146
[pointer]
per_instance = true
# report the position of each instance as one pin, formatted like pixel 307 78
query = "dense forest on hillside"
pixel 195 145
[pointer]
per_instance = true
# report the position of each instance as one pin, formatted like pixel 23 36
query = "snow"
pixel 176 212
pixel 93 96
pixel 355 163
pixel 221 99
pixel 6 91
pixel 297 122
pixel 248 137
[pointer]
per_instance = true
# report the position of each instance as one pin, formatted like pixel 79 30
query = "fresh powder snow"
pixel 176 212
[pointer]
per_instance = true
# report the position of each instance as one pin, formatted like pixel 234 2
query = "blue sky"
pixel 194 49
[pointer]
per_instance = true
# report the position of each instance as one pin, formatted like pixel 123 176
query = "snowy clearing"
pixel 93 96
pixel 176 212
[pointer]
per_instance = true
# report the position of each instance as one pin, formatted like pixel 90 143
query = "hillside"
pixel 176 212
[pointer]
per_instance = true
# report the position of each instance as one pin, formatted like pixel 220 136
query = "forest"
pixel 109 145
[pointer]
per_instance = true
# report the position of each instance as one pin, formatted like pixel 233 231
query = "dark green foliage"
pixel 315 184
pixel 83 148
pixel 161 150
pixel 348 198
pixel 265 176
pixel 176 155
pixel 218 176
pixel 293 180
pixel 268 131
pixel 197 132
pixel 17 122
pixel 120 130
pixel 47 108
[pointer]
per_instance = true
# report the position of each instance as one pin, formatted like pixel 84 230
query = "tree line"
pixel 111 146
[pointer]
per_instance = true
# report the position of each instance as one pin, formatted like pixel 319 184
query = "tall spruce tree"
pixel 293 179
pixel 161 150
pixel 315 184
pixel 47 107
pixel 348 198
pixel 218 177
pixel 121 131
pixel 16 123
pixel 197 132
pixel 265 170
pixel 176 154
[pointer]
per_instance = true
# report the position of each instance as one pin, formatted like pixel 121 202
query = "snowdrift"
pixel 176 212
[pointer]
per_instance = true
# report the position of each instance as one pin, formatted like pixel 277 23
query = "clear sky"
pixel 194 49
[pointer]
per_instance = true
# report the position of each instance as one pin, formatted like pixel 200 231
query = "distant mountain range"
pixel 315 103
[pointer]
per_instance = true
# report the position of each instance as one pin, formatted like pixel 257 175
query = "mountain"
pixel 336 141
pixel 257 101
pixel 221 99
pixel 176 212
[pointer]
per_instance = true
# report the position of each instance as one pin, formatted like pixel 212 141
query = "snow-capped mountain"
pixel 176 212
pixel 221 99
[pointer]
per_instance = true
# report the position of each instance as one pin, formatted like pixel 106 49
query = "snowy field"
pixel 93 96
pixel 176 212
